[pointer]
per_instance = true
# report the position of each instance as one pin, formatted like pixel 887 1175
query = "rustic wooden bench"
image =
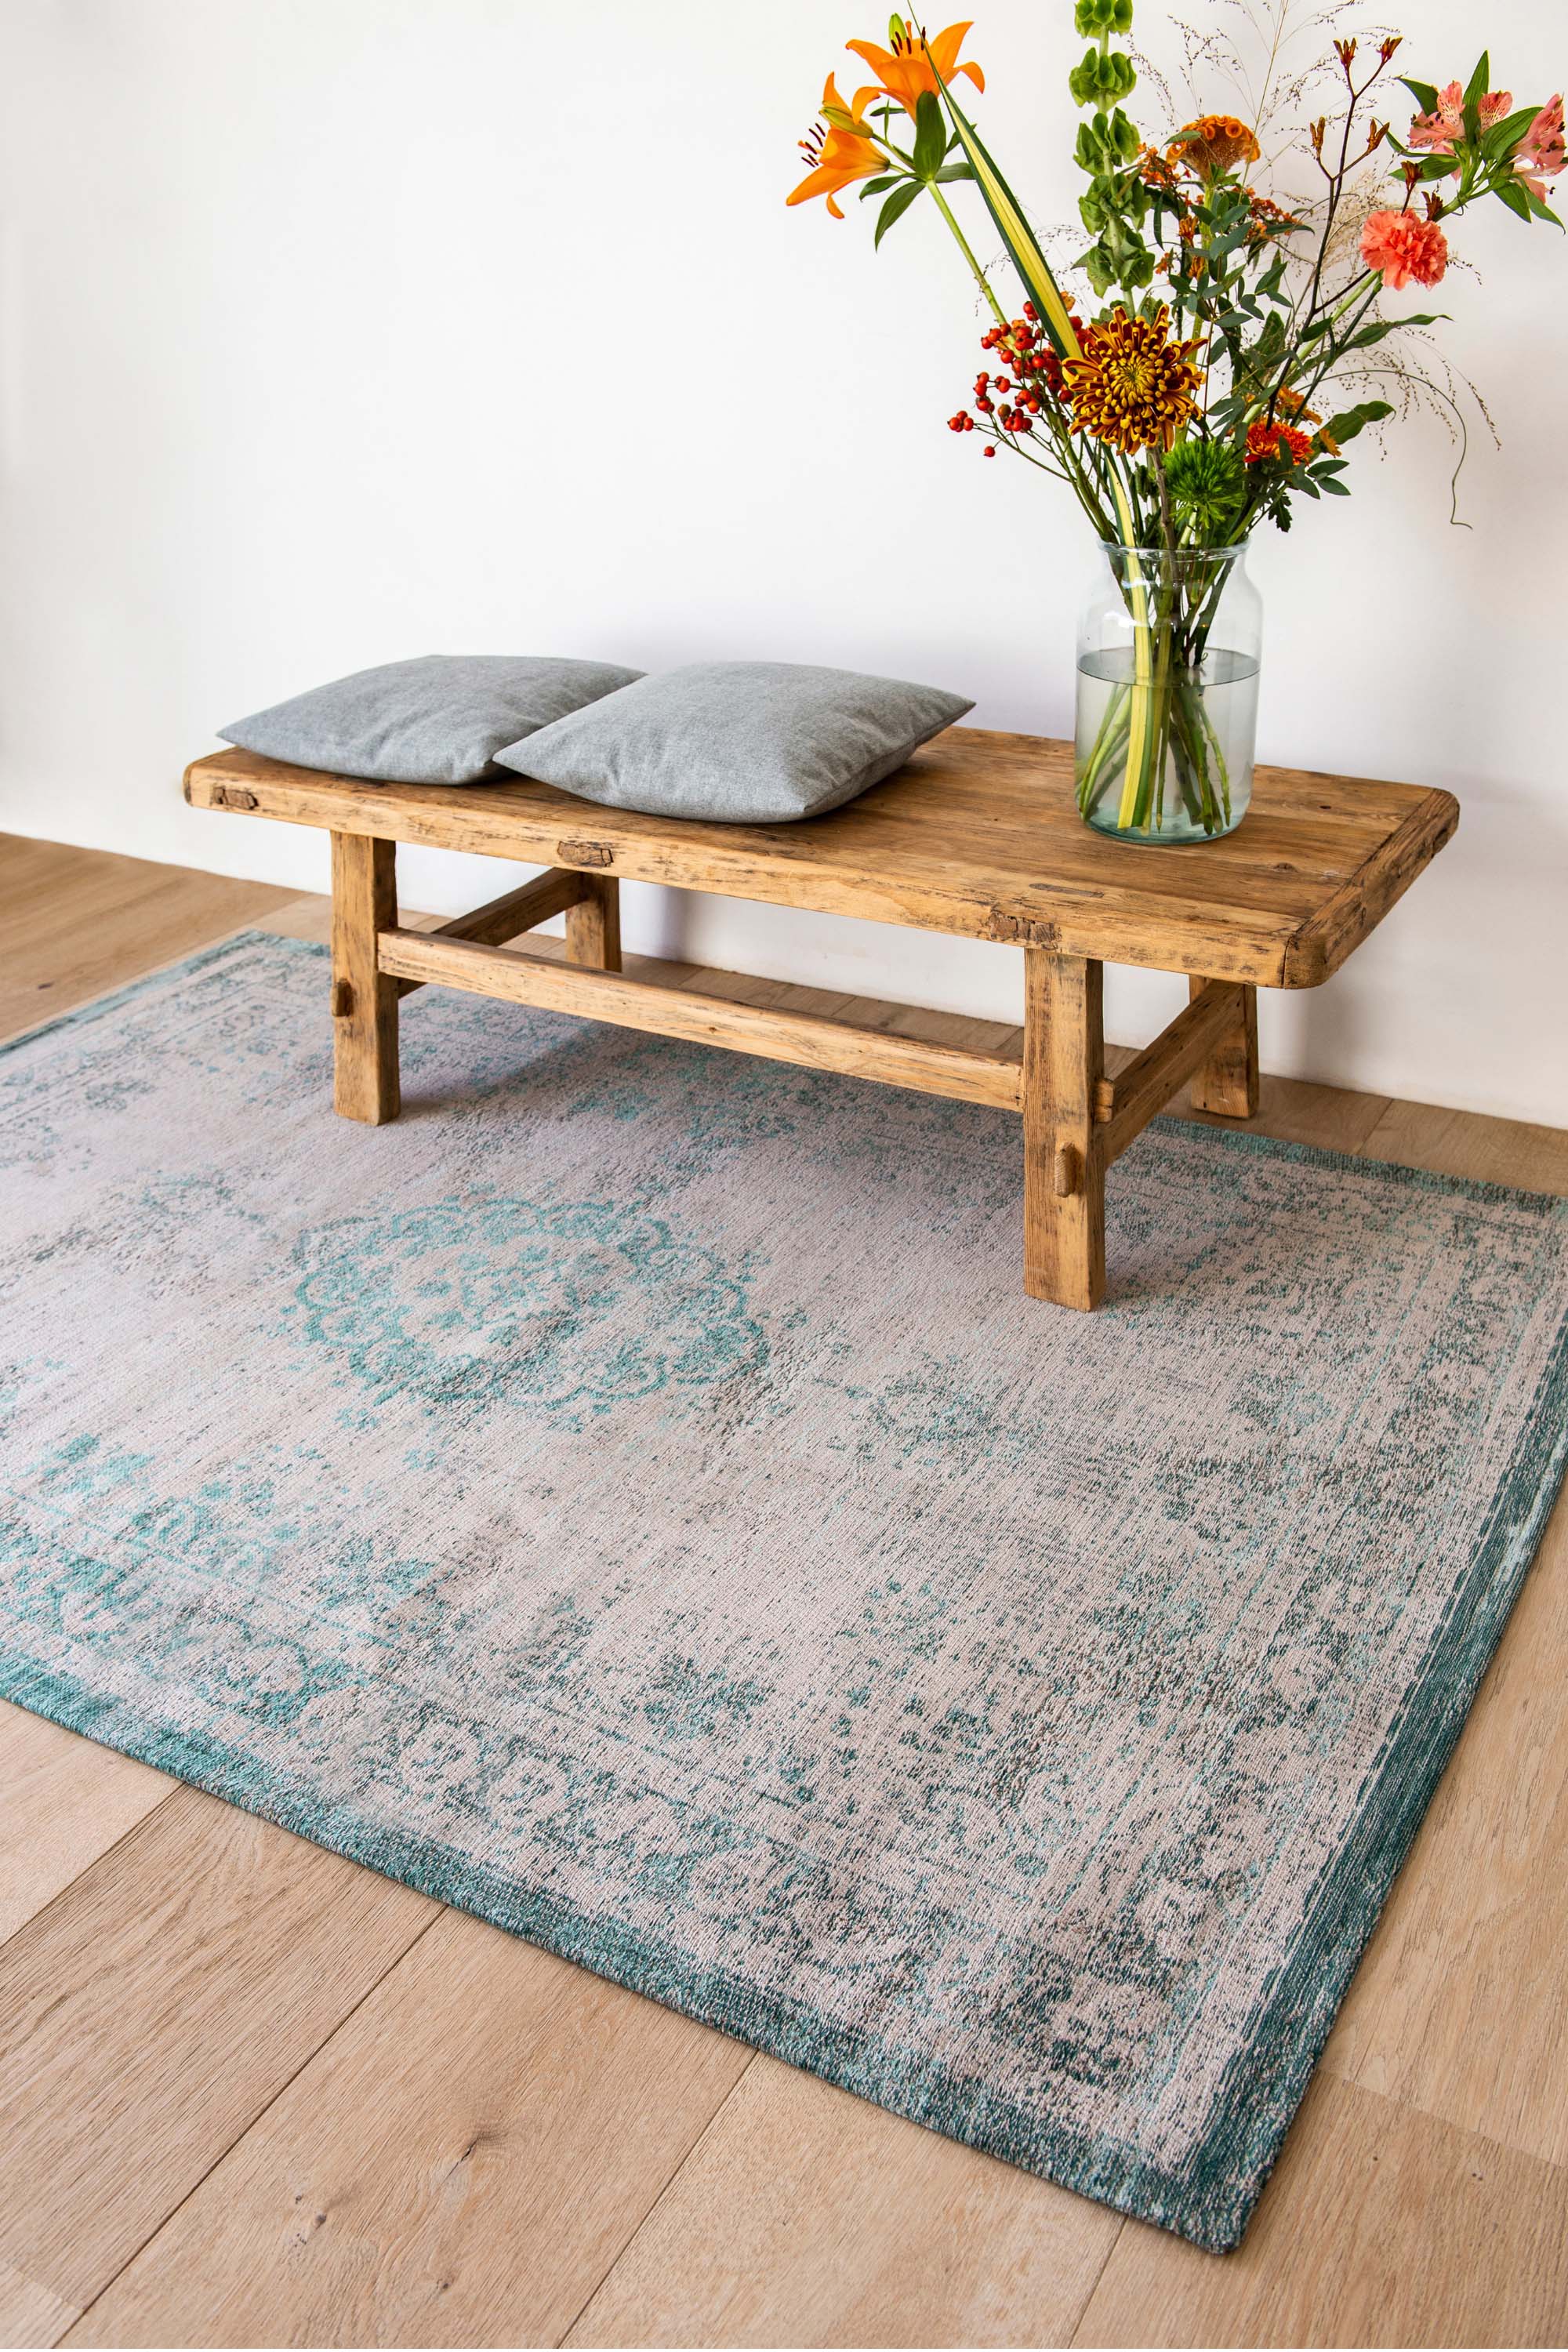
pixel 977 837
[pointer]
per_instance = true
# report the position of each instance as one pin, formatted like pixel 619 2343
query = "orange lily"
pixel 905 70
pixel 837 156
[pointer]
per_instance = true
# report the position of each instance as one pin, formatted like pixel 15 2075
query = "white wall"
pixel 332 330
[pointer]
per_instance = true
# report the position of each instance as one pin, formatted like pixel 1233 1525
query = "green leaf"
pixel 1504 137
pixel 1516 196
pixel 882 181
pixel 1480 81
pixel 956 172
pixel 931 136
pixel 1425 93
pixel 1335 489
pixel 895 208
pixel 1375 333
pixel 1352 421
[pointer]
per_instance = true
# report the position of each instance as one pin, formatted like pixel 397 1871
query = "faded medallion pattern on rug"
pixel 632 1498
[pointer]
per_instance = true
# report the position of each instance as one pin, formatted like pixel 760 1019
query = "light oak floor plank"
pixel 1463 1143
pixel 152 2012
pixel 84 922
pixel 1381 2226
pixel 460 2164
pixel 63 1801
pixel 30 2313
pixel 807 2217
pixel 1332 1119
pixel 308 917
pixel 1461 2005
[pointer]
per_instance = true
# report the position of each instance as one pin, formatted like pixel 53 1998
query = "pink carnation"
pixel 1539 155
pixel 1403 246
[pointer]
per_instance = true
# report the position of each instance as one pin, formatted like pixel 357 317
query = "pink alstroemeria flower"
pixel 1539 153
pixel 1439 129
pixel 1445 125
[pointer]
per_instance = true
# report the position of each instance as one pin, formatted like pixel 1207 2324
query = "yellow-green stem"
pixel 1142 666
pixel 980 277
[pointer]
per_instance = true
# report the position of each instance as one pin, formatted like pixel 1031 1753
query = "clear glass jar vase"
pixel 1168 654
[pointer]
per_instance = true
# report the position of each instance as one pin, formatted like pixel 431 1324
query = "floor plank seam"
pixel 249 2125
pixel 1420 2112
pixel 24 1925
pixel 1083 2308
pixel 668 2183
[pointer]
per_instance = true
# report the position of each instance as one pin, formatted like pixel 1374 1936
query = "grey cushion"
pixel 438 719
pixel 745 742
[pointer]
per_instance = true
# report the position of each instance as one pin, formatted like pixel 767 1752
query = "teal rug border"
pixel 1211 2200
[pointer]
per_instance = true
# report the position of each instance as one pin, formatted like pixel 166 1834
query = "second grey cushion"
pixel 437 719
pixel 745 742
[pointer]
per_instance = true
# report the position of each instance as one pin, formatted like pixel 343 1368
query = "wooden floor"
pixel 253 2095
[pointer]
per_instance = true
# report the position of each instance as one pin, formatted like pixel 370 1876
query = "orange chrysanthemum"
pixel 1133 388
pixel 1404 247
pixel 1215 143
pixel 1277 440
pixel 1294 404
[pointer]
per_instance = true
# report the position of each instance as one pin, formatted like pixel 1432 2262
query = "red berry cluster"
pixel 1009 402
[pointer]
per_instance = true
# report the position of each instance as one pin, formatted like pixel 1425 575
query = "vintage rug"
pixel 632 1498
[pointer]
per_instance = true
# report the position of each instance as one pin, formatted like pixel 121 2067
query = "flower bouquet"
pixel 1200 395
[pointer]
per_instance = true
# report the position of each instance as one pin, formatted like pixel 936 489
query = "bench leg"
pixel 593 925
pixel 1064 1159
pixel 1226 1083
pixel 364 1000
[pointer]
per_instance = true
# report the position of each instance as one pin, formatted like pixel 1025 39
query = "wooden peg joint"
pixel 1066 1172
pixel 343 1000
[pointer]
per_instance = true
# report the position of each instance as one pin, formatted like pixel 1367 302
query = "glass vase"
pixel 1168 654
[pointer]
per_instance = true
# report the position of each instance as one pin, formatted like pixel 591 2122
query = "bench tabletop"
pixel 978 835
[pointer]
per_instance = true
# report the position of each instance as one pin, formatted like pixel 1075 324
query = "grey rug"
pixel 632 1498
